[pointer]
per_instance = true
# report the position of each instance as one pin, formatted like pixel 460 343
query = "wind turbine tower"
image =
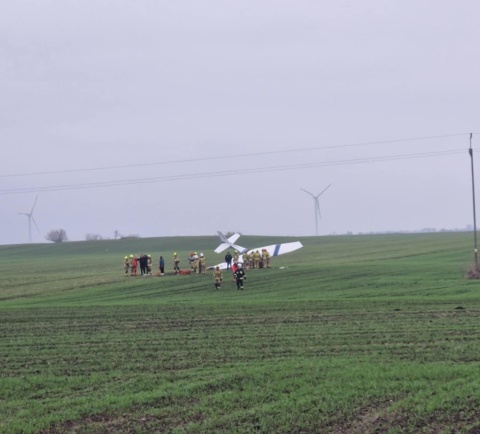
pixel 30 219
pixel 316 205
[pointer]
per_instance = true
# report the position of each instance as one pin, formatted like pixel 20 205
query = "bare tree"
pixel 93 237
pixel 57 236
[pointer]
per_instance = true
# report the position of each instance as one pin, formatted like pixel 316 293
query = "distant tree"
pixel 128 237
pixel 93 237
pixel 57 236
pixel 117 234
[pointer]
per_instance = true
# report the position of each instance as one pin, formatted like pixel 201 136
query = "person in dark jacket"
pixel 239 276
pixel 228 260
pixel 161 266
pixel 143 264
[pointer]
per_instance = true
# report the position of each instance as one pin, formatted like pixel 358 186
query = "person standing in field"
pixel 202 264
pixel 134 266
pixel 194 263
pixel 176 262
pixel 228 260
pixel 266 258
pixel 256 259
pixel 250 259
pixel 142 263
pixel 245 261
pixel 240 276
pixel 126 264
pixel 161 266
pixel 149 264
pixel 218 277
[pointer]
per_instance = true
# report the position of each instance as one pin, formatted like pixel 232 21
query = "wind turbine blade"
pixel 307 192
pixel 318 209
pixel 34 203
pixel 35 224
pixel 324 190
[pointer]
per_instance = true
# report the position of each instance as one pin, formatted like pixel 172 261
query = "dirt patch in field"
pixel 121 424
pixel 369 420
pixel 381 421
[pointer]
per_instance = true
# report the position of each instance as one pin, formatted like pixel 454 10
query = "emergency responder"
pixel 149 264
pixel 240 276
pixel 266 258
pixel 134 265
pixel 194 263
pixel 256 259
pixel 201 264
pixel 245 261
pixel 251 259
pixel 176 261
pixel 218 277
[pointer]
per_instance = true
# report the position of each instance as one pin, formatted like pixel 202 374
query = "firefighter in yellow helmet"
pixel 250 259
pixel 246 262
pixel 202 264
pixel 176 262
pixel 149 264
pixel 256 259
pixel 218 277
pixel 126 265
pixel 266 258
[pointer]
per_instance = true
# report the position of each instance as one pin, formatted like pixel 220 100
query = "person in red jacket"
pixel 134 265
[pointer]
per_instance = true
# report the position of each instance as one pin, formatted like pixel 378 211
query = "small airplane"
pixel 273 250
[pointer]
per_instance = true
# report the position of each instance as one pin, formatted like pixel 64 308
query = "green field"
pixel 351 334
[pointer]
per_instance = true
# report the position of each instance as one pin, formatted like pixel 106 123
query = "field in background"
pixel 351 334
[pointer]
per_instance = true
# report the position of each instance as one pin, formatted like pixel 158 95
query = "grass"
pixel 351 334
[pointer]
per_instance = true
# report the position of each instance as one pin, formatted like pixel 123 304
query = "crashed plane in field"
pixel 273 249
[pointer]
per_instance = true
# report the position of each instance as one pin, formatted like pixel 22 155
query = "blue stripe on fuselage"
pixel 277 248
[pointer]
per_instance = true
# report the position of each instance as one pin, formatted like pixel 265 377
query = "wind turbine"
pixel 30 219
pixel 316 205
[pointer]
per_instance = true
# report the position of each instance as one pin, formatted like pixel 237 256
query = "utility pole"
pixel 475 250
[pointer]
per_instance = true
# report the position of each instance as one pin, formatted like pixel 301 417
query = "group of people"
pixel 133 262
pixel 250 260
pixel 239 275
pixel 197 265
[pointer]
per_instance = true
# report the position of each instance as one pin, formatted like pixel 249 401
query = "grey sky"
pixel 104 84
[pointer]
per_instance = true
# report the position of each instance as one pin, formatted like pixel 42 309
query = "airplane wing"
pixel 280 249
pixel 273 250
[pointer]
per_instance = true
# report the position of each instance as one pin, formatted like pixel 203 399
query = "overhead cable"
pixel 235 156
pixel 229 172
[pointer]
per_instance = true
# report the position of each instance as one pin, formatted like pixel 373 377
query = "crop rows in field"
pixel 358 335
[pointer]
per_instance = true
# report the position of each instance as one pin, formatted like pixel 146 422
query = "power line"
pixel 202 175
pixel 236 156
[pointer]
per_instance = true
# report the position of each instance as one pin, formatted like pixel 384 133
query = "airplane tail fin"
pixel 226 242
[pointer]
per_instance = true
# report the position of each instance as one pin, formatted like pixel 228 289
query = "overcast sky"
pixel 164 118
